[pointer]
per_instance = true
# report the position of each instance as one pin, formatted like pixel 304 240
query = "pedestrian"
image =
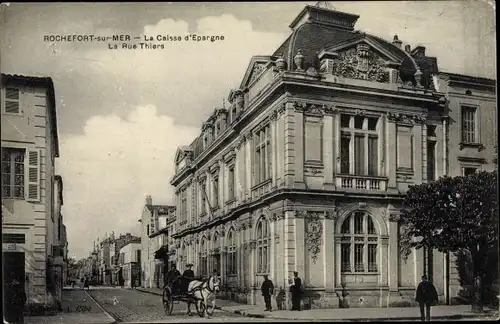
pixel 267 289
pixel 86 284
pixel 280 298
pixel 15 304
pixel 296 290
pixel 172 278
pixel 187 276
pixel 426 296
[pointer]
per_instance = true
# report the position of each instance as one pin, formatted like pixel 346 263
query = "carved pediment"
pixel 181 153
pixel 255 68
pixel 361 62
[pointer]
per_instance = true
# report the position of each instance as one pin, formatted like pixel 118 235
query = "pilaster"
pixel 390 166
pixel 393 250
pixel 384 264
pixel 248 166
pixel 328 159
pixel 299 228
pixel 417 133
pixel 337 137
pixel 274 151
pixel 290 154
pixel 329 254
pixel 251 269
pixel 299 147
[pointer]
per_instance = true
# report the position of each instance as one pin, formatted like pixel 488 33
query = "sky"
pixel 123 113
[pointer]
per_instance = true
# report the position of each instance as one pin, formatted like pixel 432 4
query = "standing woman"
pixel 296 289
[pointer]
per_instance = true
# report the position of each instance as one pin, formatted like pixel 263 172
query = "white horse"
pixel 203 291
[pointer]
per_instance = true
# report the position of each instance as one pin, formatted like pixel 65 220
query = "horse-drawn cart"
pixel 173 295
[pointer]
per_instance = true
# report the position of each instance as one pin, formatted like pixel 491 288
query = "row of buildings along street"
pixel 304 170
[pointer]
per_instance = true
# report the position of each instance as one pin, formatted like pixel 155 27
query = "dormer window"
pixel 205 142
pixel 233 114
pixel 217 132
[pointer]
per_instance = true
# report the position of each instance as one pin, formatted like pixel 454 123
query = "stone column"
pixel 391 158
pixel 445 146
pixel 384 262
pixel 328 149
pixel 289 251
pixel 223 262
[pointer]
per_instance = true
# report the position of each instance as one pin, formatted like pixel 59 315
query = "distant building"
pixel 31 198
pixel 115 248
pixel 104 261
pixel 154 235
pixel 131 262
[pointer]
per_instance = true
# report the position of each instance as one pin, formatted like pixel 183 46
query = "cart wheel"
pixel 168 303
pixel 201 310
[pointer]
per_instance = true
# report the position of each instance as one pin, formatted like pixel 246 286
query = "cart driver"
pixel 172 277
pixel 188 275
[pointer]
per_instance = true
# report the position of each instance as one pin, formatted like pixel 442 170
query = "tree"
pixel 454 215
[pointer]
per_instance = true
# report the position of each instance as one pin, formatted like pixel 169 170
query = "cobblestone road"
pixel 127 305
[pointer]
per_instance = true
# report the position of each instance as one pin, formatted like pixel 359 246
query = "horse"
pixel 203 291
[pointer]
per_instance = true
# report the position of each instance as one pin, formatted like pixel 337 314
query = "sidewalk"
pixel 364 314
pixel 78 308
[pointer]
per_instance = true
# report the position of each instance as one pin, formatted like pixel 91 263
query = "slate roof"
pixel 313 37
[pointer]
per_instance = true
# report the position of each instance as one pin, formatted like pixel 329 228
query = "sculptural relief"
pixel 361 63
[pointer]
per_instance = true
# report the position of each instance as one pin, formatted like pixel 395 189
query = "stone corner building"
pixel 306 169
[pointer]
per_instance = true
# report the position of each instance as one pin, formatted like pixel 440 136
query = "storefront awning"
pixel 162 252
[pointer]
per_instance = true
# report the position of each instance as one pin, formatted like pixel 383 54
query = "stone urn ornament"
pixel 280 63
pixel 298 60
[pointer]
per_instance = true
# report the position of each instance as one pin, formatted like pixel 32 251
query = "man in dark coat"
pixel 296 290
pixel 15 303
pixel 426 296
pixel 267 289
pixel 187 276
pixel 172 278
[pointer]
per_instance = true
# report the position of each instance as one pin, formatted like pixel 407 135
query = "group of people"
pixel 426 294
pixel 179 283
pixel 296 289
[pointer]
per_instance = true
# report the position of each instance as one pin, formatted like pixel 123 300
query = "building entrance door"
pixel 217 263
pixel 13 285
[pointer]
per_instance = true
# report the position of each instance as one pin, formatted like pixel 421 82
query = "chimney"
pixel 396 42
pixel 407 48
pixel 149 200
pixel 418 51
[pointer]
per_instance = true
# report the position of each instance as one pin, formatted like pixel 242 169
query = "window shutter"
pixel 12 100
pixel 32 165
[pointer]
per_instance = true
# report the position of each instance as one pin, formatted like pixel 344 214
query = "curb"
pixel 115 320
pixel 159 294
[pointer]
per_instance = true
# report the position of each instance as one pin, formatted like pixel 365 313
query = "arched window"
pixel 359 244
pixel 231 253
pixel 263 240
pixel 203 258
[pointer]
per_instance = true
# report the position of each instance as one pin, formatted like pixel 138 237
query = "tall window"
pixel 359 244
pixel 431 152
pixel 184 254
pixel 359 145
pixel 11 100
pixel 184 204
pixel 12 173
pixel 262 158
pixel 468 171
pixel 263 238
pixel 216 256
pixel 216 192
pixel 203 194
pixel 230 180
pixel 231 253
pixel 203 258
pixel 468 124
